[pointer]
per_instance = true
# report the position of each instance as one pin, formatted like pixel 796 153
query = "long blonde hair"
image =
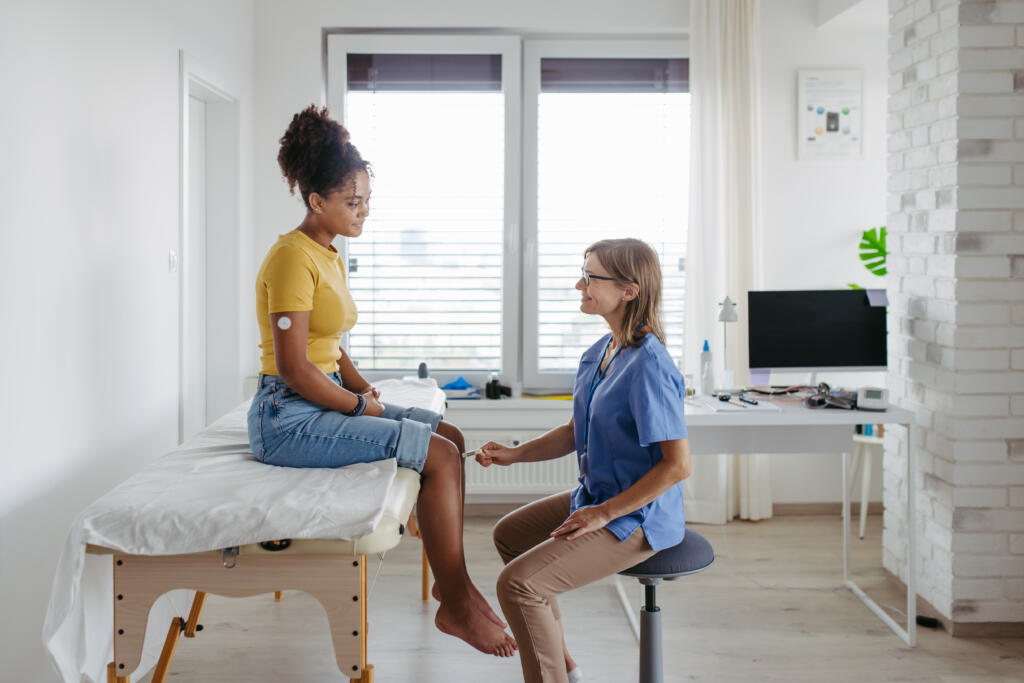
pixel 633 261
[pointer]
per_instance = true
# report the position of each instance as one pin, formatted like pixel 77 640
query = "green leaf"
pixel 872 250
pixel 851 285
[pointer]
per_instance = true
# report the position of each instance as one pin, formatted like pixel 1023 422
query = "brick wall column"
pixel 956 317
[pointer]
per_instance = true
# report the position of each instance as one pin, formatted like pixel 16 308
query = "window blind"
pixel 427 272
pixel 613 161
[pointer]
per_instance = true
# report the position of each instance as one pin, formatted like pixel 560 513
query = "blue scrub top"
pixel 639 402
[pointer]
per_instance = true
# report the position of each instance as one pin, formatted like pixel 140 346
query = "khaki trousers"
pixel 538 568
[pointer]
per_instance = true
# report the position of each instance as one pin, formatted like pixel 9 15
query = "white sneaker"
pixel 575 676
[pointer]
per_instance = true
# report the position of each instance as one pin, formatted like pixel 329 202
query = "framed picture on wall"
pixel 830 114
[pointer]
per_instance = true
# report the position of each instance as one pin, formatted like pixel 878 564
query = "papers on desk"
pixel 713 404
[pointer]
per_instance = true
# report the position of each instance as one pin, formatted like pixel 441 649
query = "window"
pixel 444 274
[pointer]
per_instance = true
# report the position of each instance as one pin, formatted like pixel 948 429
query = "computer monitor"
pixel 815 330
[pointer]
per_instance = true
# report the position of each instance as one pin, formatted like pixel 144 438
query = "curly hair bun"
pixel 316 153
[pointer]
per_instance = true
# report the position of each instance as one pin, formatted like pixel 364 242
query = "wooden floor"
pixel 769 609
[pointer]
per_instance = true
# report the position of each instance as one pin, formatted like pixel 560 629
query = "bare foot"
pixel 478 600
pixel 471 626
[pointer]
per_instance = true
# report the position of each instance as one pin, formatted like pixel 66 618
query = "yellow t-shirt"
pixel 299 274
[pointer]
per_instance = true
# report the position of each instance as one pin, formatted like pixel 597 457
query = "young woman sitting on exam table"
pixel 629 435
pixel 313 408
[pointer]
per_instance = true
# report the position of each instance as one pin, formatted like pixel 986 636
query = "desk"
pixel 797 429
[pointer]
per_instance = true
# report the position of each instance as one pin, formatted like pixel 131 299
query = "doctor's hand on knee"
pixel 583 521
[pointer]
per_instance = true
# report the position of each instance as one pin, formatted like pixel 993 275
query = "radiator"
pixel 549 476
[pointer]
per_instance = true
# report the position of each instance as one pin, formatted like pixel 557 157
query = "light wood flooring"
pixel 770 609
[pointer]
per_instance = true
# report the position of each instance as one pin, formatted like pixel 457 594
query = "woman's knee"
pixel 453 434
pixel 442 455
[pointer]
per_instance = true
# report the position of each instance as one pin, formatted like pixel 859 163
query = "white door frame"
pixel 223 373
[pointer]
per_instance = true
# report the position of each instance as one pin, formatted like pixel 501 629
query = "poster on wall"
pixel 830 116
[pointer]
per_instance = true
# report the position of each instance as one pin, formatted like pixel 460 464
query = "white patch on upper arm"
pixel 284 322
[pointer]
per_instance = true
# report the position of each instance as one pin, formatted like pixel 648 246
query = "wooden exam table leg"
pixel 414 529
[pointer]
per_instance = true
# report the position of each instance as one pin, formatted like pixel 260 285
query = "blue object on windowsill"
pixel 460 388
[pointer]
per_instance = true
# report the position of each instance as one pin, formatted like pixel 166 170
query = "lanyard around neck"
pixel 599 375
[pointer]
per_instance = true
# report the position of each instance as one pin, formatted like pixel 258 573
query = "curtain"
pixel 724 233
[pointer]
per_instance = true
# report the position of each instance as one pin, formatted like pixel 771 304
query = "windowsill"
pixel 510 404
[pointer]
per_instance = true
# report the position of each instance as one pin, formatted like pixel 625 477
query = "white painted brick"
pixel 982 266
pixel 987 82
pixel 989 611
pixel 944 41
pixel 985 36
pixel 996 359
pixel 1018 171
pixel 982 313
pixel 947 104
pixel 945 289
pixel 946 266
pixel 1017 499
pixel 984 221
pixel 949 152
pixel 966 566
pixel 1015 589
pixel 1017 408
pixel 1009 58
pixel 1017 544
pixel 1004 474
pixel 980 105
pixel 978 174
pixel 929 111
pixel 980 451
pixel 1005 243
pixel 898 101
pixel 921 158
pixel 990 151
pixel 989 382
pixel 978 589
pixel 979 543
pixel 990 291
pixel 938 535
pixel 979 497
pixel 990 198
pixel 948 62
pixel 1020 35
pixel 1017 359
pixel 980 337
pixel 979 406
pixel 993 129
pixel 981 519
pixel 1018 221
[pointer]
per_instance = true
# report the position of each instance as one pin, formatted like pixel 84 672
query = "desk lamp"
pixel 725 316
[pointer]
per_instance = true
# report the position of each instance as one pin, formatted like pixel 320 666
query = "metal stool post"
pixel 650 634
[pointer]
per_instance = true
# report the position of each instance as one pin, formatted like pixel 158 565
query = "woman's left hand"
pixel 583 521
pixel 367 390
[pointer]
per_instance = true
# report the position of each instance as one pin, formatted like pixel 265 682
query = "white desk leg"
pixel 909 635
pixel 846 518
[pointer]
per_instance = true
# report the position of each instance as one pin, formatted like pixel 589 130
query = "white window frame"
pixel 534 50
pixel 520 76
pixel 339 45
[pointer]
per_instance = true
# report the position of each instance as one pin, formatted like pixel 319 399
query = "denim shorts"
pixel 287 430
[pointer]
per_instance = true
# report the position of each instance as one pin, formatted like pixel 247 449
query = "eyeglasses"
pixel 587 277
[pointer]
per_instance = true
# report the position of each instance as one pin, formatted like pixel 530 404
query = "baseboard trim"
pixel 781 509
pixel 962 629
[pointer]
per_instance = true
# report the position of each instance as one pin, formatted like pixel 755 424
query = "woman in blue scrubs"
pixel 629 435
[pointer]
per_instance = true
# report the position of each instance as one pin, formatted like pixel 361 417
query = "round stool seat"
pixel 692 555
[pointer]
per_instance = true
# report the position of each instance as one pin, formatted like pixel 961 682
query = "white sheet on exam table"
pixel 215 470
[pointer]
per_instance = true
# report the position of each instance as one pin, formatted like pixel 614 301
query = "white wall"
pixel 89 211
pixel 814 211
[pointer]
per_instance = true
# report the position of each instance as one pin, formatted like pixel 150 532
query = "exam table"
pixel 209 518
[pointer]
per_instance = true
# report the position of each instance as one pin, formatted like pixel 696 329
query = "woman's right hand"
pixel 492 453
pixel 374 408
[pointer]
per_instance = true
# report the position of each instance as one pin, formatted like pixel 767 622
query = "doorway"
pixel 210 374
